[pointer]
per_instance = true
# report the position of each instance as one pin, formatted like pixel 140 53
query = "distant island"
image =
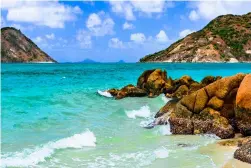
pixel 17 48
pixel 225 39
pixel 121 61
pixel 87 61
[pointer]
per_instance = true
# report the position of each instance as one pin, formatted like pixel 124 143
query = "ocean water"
pixel 58 115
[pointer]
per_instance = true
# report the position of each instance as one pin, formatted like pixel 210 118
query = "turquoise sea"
pixel 52 116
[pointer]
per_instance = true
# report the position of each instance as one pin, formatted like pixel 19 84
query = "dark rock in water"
pixel 184 145
pixel 127 91
pixel 204 111
pixel 244 152
pixel 243 106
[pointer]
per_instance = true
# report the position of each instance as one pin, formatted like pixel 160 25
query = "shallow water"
pixel 52 116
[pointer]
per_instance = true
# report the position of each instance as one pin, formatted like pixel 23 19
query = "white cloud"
pixel 50 36
pixel 128 26
pixel 151 6
pixel 128 8
pixel 5 4
pixel 100 24
pixel 115 43
pixel 138 37
pixel 93 20
pixel 38 39
pixel 44 13
pixel 185 32
pixel 84 39
pixel 193 15
pixel 210 9
pixel 123 8
pixel 162 37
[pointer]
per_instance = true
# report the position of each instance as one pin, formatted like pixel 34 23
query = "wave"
pixel 161 153
pixel 164 129
pixel 134 159
pixel 147 123
pixel 31 157
pixel 143 112
pixel 104 93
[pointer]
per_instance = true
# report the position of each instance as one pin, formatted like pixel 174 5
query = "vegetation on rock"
pixel 16 47
pixel 226 38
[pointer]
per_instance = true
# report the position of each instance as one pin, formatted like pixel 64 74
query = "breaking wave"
pixel 104 93
pixel 31 157
pixel 143 112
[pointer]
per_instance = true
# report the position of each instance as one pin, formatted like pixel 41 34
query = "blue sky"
pixel 109 31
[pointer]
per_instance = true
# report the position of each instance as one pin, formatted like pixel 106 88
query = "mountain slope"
pixel 16 47
pixel 226 38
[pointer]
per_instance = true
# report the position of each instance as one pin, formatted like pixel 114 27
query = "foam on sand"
pixel 31 157
pixel 143 112
pixel 161 153
pixel 104 93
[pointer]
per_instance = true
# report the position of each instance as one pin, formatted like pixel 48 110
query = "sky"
pixel 109 31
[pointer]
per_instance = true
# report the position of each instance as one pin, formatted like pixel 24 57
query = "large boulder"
pixel 243 106
pixel 154 82
pixel 205 110
pixel 163 114
pixel 128 91
pixel 244 152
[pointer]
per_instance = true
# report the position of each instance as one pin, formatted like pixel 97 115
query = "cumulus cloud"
pixel 99 24
pixel 162 37
pixel 84 38
pixel 50 36
pixel 210 9
pixel 128 26
pixel 123 8
pixel 115 43
pixel 44 13
pixel 138 37
pixel 193 15
pixel 128 8
pixel 185 32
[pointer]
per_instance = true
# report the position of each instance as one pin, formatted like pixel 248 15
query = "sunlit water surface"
pixel 52 116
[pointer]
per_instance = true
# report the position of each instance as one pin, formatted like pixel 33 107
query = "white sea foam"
pixel 161 153
pixel 134 159
pixel 143 112
pixel 104 93
pixel 146 123
pixel 212 136
pixel 164 129
pixel 31 157
pixel 165 99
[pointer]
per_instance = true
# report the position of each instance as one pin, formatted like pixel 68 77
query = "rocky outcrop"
pixel 244 152
pixel 151 83
pixel 154 82
pixel 16 47
pixel 243 106
pixel 227 38
pixel 127 91
pixel 208 110
pixel 163 114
